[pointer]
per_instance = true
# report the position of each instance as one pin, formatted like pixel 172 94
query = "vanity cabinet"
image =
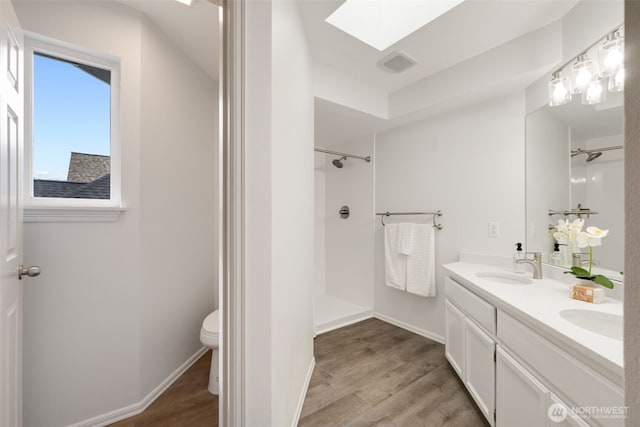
pixel 454 337
pixel 479 368
pixel 522 399
pixel 514 374
pixel 526 402
pixel 562 372
pixel 469 349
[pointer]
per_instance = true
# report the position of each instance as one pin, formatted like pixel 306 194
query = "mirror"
pixel 575 168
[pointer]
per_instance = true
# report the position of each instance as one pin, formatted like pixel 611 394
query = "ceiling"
pixel 193 29
pixel 472 28
pixel 468 30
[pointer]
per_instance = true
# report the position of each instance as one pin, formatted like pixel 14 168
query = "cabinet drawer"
pixel 478 309
pixel 564 372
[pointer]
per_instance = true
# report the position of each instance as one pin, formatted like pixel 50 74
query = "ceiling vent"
pixel 396 62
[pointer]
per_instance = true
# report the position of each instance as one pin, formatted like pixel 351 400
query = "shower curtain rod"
pixel 338 153
pixel 596 150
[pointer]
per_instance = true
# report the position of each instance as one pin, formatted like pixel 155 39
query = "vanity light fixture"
pixel 589 77
pixel 382 23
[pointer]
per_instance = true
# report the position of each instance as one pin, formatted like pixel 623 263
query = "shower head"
pixel 338 162
pixel 593 155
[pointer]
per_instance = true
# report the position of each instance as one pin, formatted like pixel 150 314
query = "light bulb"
pixel 559 90
pixel 583 73
pixel 583 77
pixel 594 93
pixel 614 57
pixel 612 52
pixel 616 82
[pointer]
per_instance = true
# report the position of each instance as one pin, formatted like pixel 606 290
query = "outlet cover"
pixel 494 229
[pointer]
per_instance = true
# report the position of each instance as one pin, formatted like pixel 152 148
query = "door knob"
pixel 32 271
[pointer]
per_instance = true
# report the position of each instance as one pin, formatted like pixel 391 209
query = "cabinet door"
pixel 454 337
pixel 479 368
pixel 520 399
pixel 561 416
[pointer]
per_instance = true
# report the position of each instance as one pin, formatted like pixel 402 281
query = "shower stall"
pixel 344 226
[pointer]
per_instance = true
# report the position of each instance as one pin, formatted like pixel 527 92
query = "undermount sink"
pixel 605 324
pixel 505 278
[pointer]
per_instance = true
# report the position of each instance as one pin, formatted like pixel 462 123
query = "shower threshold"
pixel 333 313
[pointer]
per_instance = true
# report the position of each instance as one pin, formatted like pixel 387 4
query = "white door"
pixel 479 368
pixel 454 337
pixel 11 179
pixel 521 400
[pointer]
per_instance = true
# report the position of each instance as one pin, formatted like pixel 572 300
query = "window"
pixel 71 147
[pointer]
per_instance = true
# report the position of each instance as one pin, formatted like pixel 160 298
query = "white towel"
pixel 421 272
pixel 405 238
pixel 395 264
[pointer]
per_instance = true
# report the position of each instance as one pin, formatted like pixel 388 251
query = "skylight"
pixel 381 23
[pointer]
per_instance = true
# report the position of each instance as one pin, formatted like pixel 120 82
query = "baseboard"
pixel 345 321
pixel 136 408
pixel 410 328
pixel 296 418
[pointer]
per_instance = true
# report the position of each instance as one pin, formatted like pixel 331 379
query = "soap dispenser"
pixel 518 268
pixel 556 256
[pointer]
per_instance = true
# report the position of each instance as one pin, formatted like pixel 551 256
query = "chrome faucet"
pixel 576 260
pixel 536 263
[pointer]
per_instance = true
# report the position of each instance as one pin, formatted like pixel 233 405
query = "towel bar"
pixel 434 214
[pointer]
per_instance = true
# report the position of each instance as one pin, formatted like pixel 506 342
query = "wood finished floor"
pixel 376 374
pixel 186 403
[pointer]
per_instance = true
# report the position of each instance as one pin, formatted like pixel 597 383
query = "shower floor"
pixel 332 313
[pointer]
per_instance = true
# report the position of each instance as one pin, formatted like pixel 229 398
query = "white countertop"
pixel 539 304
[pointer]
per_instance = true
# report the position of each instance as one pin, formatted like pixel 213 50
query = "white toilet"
pixel 210 336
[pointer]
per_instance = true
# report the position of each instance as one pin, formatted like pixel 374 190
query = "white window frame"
pixel 50 209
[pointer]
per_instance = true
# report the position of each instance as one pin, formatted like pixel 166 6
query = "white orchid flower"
pixel 572 231
pixel 576 225
pixel 561 237
pixel 562 226
pixel 597 232
pixel 585 239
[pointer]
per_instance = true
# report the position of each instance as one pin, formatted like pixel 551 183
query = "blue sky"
pixel 71 113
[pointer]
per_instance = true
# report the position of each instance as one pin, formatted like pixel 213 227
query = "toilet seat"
pixel 210 332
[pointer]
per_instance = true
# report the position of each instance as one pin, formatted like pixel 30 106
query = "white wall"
pixel 349 242
pixel 99 333
pixel 178 251
pixel 587 22
pixel 469 164
pixel 279 224
pixel 319 191
pixel 82 319
pixel 292 197
pixel 258 214
pixel 548 182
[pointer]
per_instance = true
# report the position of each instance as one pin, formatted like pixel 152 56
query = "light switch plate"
pixel 494 229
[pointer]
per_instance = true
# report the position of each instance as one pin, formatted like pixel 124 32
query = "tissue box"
pixel 587 293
